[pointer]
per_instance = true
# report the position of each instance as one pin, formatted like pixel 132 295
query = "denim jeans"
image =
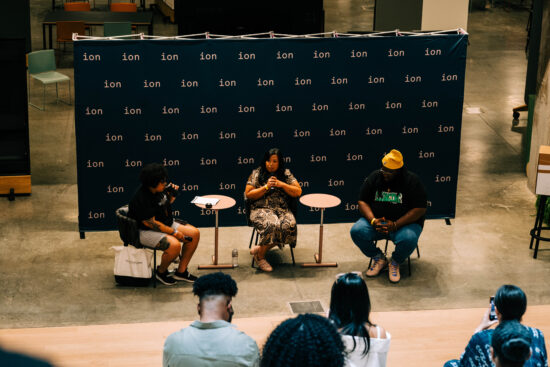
pixel 405 239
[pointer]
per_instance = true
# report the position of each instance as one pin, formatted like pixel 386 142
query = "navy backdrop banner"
pixel 208 110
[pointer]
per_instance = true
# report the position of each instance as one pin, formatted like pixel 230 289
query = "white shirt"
pixel 376 356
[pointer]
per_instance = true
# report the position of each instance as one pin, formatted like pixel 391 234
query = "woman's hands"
pixel 485 323
pixel 254 193
pixel 274 182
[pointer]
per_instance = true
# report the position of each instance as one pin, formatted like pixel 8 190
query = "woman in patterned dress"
pixel 269 188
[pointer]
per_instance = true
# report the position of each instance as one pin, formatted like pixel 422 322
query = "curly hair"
pixel 307 340
pixel 350 307
pixel 511 344
pixel 152 174
pixel 215 284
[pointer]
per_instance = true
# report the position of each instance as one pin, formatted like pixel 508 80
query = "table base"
pixel 216 266
pixel 318 263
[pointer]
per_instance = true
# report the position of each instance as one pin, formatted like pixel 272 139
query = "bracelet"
pixel 174 233
pixel 266 187
pixel 372 221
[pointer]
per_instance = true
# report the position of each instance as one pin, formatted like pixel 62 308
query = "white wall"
pixel 444 14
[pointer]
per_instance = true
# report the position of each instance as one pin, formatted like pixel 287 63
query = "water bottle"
pixel 235 257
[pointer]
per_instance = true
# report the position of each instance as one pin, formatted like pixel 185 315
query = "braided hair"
pixel 511 344
pixel 307 340
pixel 350 308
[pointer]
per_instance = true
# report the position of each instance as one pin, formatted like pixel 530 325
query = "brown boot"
pixel 393 272
pixel 262 263
pixel 379 263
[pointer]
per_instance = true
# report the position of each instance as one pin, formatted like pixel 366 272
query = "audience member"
pixel 510 305
pixel 307 340
pixel 366 344
pixel 212 341
pixel 511 345
pixel 13 359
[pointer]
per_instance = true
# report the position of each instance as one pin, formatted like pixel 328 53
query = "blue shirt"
pixel 217 343
pixel 478 354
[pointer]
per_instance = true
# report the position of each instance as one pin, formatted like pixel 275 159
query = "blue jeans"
pixel 405 239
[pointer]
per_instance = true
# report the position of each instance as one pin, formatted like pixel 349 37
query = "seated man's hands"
pixel 384 226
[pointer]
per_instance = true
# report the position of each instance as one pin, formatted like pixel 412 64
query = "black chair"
pixel 293 206
pixel 129 234
pixel 386 253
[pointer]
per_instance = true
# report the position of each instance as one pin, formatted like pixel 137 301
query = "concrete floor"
pixel 50 277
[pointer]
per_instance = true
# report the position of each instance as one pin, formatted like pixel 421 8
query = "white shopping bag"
pixel 132 265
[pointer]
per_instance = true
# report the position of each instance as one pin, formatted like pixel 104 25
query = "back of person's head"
pixel 510 302
pixel 152 174
pixel 307 340
pixel 350 306
pixel 215 284
pixel 511 343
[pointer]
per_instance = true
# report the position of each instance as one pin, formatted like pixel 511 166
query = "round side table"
pixel 225 202
pixel 321 201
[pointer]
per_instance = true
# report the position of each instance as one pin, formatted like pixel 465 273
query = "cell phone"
pixel 492 313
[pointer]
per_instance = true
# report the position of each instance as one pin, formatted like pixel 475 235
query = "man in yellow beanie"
pixel 392 203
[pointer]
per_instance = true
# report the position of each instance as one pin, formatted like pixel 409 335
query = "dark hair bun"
pixel 516 349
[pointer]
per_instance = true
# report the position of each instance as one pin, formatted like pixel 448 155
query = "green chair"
pixel 117 29
pixel 42 68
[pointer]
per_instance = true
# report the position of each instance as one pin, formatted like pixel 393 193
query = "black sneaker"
pixel 164 278
pixel 185 276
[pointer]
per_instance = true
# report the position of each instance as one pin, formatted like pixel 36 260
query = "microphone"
pixel 171 190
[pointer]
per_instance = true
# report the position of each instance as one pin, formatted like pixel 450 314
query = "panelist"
pixel 150 207
pixel 270 188
pixel 392 203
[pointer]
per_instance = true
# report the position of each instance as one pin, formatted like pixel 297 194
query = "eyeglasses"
pixel 358 273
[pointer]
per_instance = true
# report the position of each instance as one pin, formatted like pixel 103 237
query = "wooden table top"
pixel 224 203
pixel 320 200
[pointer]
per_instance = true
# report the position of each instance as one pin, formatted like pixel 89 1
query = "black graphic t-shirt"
pixel 145 205
pixel 393 199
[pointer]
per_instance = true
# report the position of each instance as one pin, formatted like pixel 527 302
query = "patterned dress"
pixel 271 215
pixel 477 353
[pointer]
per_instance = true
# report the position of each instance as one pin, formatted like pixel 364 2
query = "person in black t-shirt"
pixel 392 203
pixel 150 207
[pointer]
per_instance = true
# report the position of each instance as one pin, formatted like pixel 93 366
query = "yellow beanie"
pixel 393 160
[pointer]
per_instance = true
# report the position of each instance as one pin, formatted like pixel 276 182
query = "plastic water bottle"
pixel 235 257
